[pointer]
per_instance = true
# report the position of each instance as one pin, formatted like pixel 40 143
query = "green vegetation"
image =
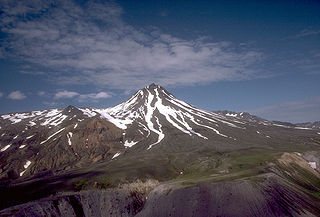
pixel 80 185
pixel 239 161
pixel 316 194
pixel 104 183
pixel 241 164
pixel 93 183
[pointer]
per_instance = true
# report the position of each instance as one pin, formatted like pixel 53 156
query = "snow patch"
pixel 52 112
pixel 303 128
pixel 31 123
pixel 22 146
pixel 28 137
pixel 202 125
pixel 52 135
pixel 75 126
pixel 145 128
pixel 18 117
pixel 129 144
pixel 88 112
pixel 69 135
pixel 54 120
pixel 199 112
pixel 313 165
pixel 5 147
pixel 122 124
pixel 169 112
pixel 116 155
pixel 25 166
pixel 231 115
pixel 280 125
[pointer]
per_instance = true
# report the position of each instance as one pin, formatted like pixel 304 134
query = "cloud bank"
pixel 91 44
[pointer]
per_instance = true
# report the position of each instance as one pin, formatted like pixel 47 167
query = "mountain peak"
pixel 71 107
pixel 153 86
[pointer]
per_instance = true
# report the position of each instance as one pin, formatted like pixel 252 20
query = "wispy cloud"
pixel 307 32
pixel 304 110
pixel 303 33
pixel 41 93
pixel 16 95
pixel 1 94
pixel 32 72
pixel 64 94
pixel 305 63
pixel 93 97
pixel 91 44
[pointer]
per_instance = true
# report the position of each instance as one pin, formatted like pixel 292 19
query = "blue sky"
pixel 257 56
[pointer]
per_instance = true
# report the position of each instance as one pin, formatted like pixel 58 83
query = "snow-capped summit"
pixel 153 109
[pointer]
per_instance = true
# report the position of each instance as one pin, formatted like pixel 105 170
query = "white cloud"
pixel 93 45
pixel 305 110
pixel 94 96
pixel 101 95
pixel 16 95
pixel 64 94
pixel 41 93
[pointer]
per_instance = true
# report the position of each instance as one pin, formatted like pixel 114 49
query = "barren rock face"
pixel 88 203
pixel 76 145
pixel 241 198
pixel 270 197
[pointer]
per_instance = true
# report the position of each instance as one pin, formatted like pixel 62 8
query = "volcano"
pixel 154 135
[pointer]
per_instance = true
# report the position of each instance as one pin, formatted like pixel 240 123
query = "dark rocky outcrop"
pixel 86 203
pixel 270 195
